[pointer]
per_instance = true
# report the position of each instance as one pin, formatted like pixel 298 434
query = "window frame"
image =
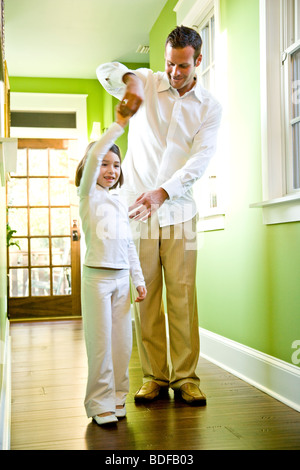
pixel 279 204
pixel 290 93
pixel 210 69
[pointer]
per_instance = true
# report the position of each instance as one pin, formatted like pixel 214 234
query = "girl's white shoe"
pixel 121 412
pixel 105 419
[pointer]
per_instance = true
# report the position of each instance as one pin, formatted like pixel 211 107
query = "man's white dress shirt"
pixel 171 139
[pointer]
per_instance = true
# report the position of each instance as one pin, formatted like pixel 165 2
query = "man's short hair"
pixel 182 36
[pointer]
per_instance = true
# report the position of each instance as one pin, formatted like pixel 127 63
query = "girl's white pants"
pixel 105 298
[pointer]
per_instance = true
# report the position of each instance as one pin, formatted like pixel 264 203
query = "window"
pixel 280 110
pixel 207 68
pixel 291 78
pixel 39 210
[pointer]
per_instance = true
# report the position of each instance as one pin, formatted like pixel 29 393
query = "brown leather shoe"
pixel 148 392
pixel 191 394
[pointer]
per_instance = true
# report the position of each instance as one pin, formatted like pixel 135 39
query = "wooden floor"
pixel 48 385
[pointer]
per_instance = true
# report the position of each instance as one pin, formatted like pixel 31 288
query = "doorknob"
pixel 75 231
pixel 75 235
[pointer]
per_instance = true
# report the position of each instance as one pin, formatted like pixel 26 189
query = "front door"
pixel 44 252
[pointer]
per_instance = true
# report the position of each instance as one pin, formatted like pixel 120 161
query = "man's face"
pixel 180 67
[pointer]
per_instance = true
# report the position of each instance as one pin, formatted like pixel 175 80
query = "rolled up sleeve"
pixel 110 76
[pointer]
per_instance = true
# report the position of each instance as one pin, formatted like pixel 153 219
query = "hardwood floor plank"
pixel 48 385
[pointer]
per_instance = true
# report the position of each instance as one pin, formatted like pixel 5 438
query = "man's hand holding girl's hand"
pixel 120 118
pixel 134 95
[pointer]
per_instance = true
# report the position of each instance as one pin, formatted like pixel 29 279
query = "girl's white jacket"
pixel 104 216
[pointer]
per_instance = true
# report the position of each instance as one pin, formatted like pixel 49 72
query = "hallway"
pixel 48 386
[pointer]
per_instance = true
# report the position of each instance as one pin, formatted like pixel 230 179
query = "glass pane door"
pixel 39 209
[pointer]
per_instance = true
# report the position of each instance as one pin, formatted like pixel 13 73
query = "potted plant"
pixel 9 234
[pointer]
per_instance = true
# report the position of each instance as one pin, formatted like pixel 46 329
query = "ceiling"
pixel 70 38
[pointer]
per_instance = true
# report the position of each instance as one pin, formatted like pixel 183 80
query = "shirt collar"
pixel 100 188
pixel 198 90
pixel 165 85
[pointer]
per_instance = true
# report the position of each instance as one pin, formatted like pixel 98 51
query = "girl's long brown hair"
pixel 79 170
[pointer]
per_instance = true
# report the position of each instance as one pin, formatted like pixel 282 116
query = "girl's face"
pixel 110 170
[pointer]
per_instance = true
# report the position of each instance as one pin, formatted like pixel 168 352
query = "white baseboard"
pixel 277 378
pixel 5 392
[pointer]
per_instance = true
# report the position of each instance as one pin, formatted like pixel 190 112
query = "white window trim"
pixel 210 68
pixel 191 13
pixel 277 206
pixel 51 102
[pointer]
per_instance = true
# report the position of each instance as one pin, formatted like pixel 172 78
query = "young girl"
pixel 110 258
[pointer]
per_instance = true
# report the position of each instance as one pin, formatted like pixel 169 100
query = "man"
pixel 171 140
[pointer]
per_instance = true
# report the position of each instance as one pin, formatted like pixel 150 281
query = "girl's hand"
pixel 120 118
pixel 142 291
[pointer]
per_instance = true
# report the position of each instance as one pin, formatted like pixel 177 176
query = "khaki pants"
pixel 170 252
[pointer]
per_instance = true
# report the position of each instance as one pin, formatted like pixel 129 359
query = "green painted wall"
pixel 164 24
pixel 250 291
pixel 232 266
pixel 283 264
pixel 248 274
pixel 100 105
